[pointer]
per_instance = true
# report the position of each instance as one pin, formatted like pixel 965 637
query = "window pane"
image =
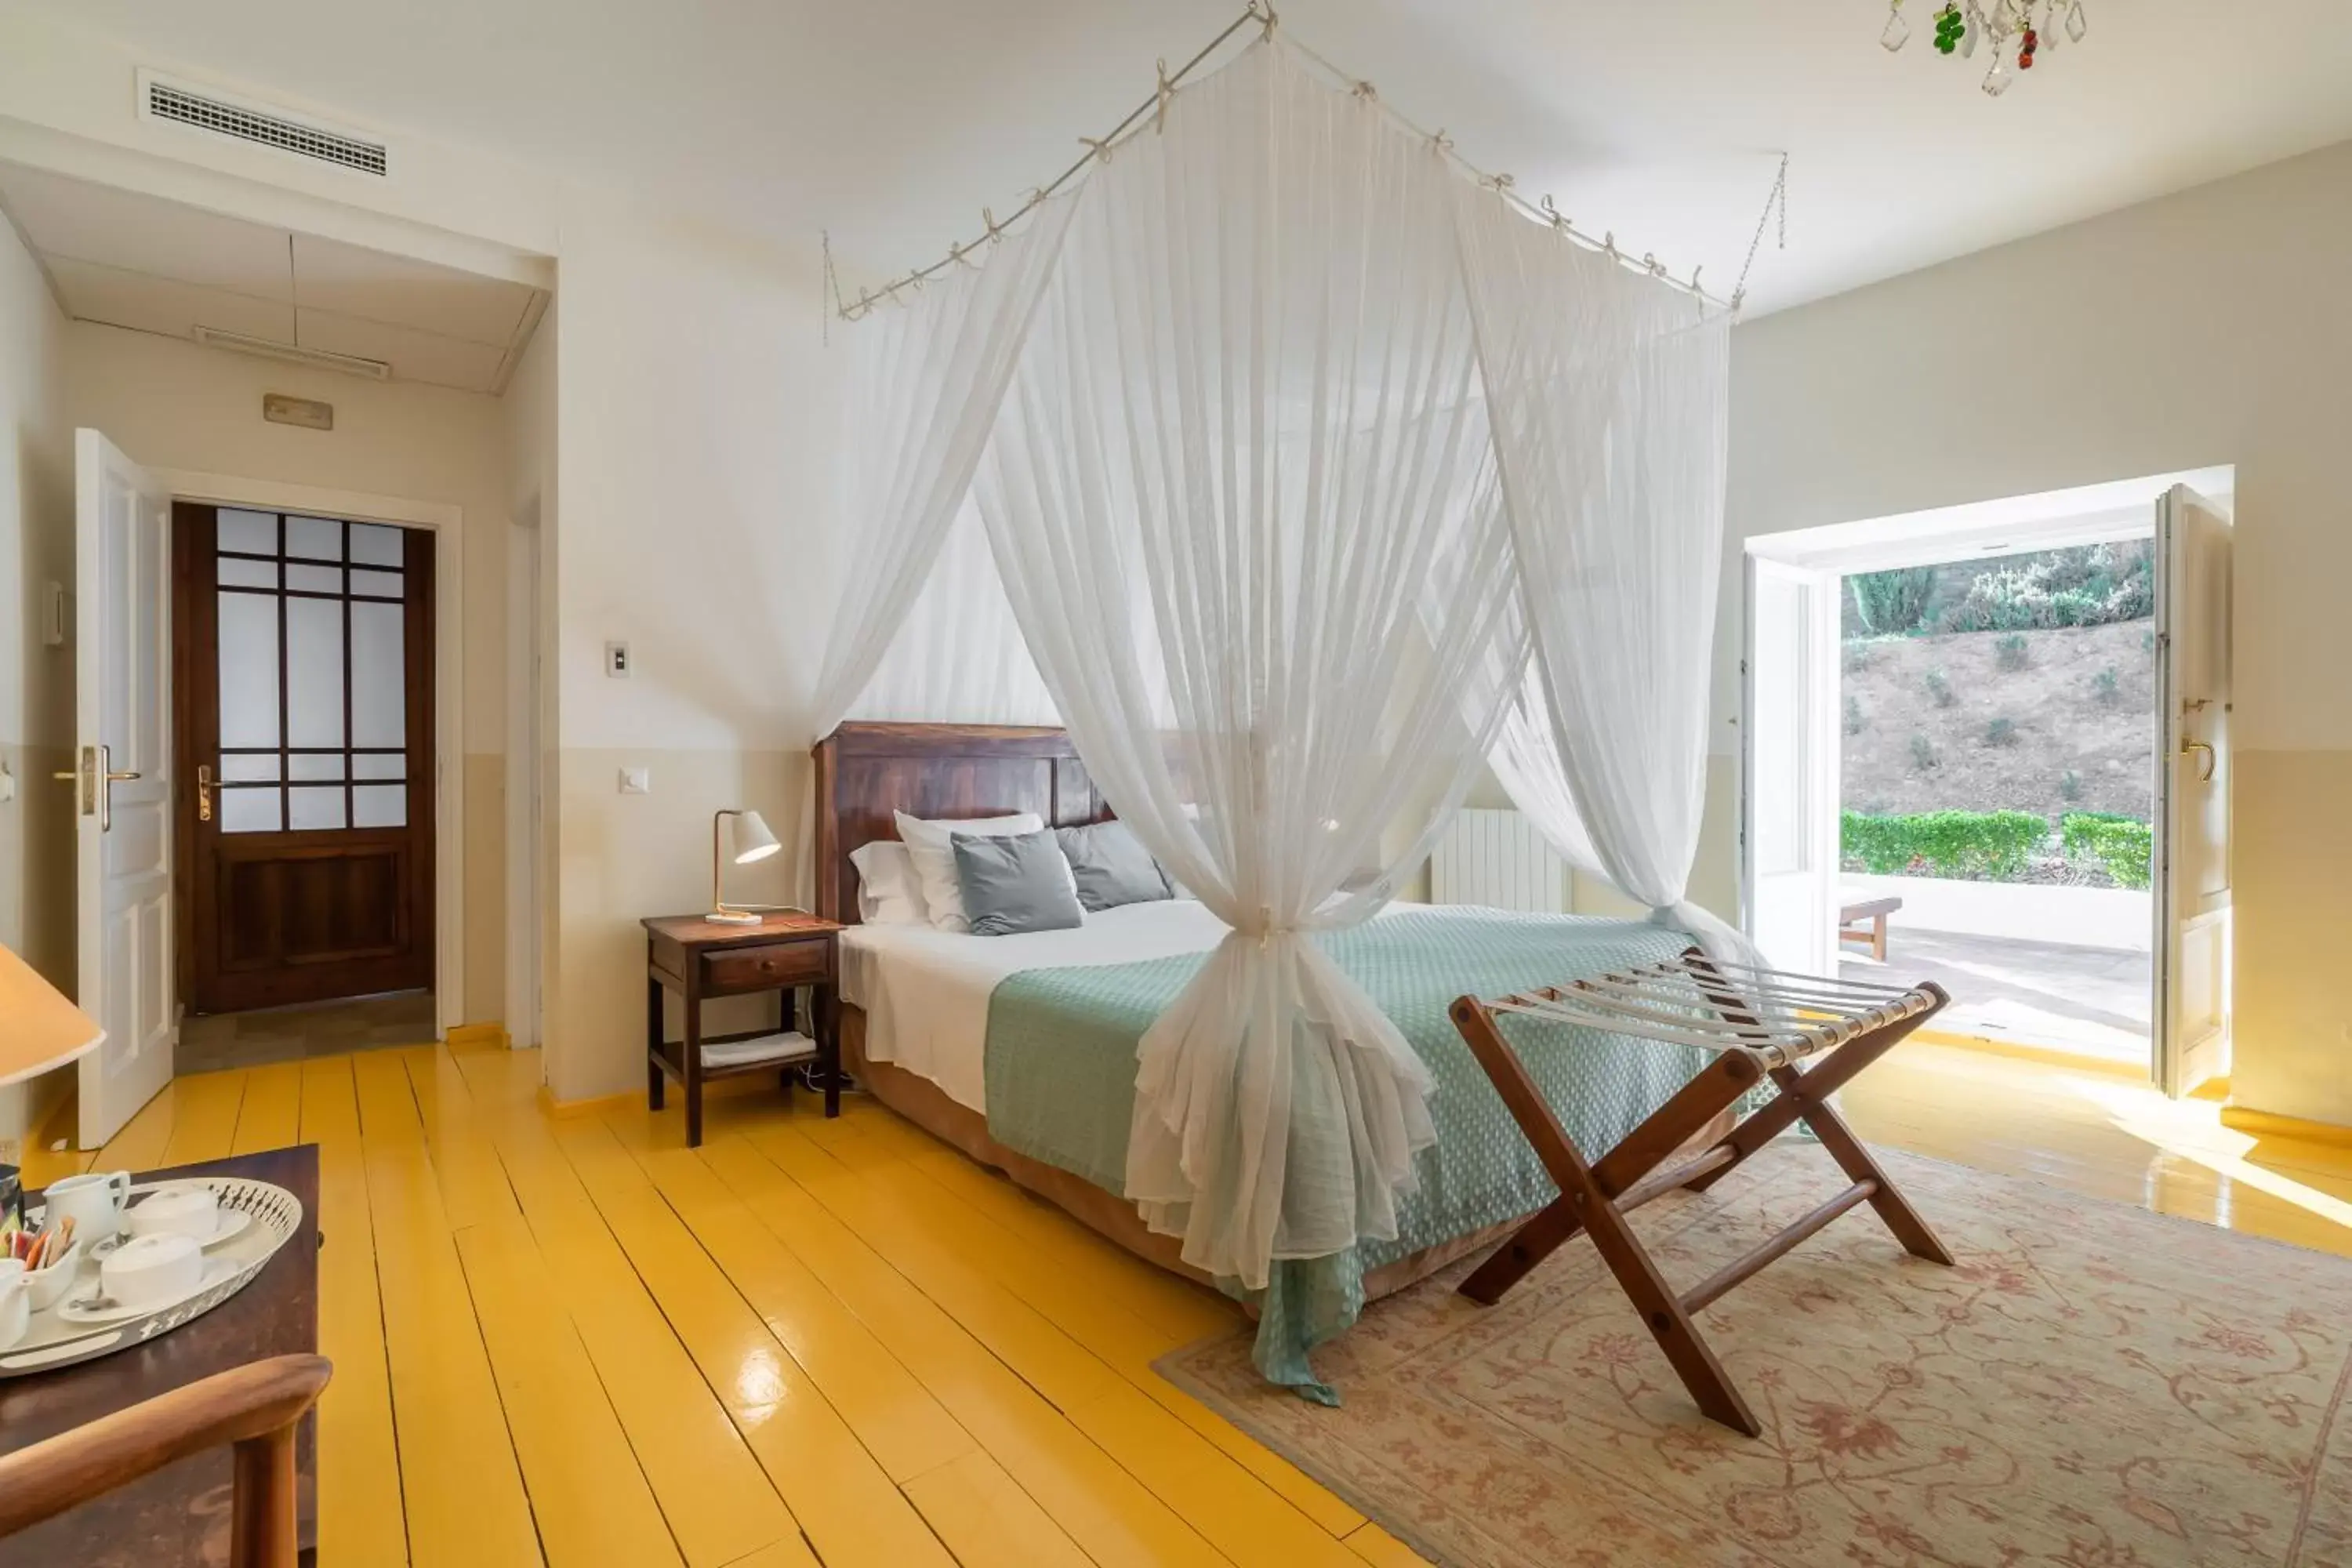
pixel 258 768
pixel 249 811
pixel 314 539
pixel 237 574
pixel 248 669
pixel 308 808
pixel 255 532
pixel 314 672
pixel 379 765
pixel 382 584
pixel 315 579
pixel 372 545
pixel 380 806
pixel 378 676
pixel 315 767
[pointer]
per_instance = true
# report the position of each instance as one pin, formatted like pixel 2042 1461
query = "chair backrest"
pixel 254 1406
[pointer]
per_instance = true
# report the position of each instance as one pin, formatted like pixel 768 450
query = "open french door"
pixel 1790 777
pixel 2191 871
pixel 122 784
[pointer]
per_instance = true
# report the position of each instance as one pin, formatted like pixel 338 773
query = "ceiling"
pixel 132 260
pixel 891 121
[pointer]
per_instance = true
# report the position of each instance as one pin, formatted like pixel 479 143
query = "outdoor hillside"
pixel 2064 717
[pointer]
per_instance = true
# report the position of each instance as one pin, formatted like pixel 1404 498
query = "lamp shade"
pixel 752 839
pixel 39 1030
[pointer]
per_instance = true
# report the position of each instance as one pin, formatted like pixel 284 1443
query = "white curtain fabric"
pixel 925 381
pixel 1242 442
pixel 959 656
pixel 1609 396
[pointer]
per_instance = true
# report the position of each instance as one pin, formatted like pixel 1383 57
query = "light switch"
pixel 616 661
pixel 637 781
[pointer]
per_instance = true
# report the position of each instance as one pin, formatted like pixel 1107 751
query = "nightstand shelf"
pixel 700 959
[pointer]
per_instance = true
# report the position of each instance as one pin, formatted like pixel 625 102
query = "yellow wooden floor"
pixel 573 1340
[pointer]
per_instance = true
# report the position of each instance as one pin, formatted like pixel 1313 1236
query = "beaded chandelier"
pixel 2017 30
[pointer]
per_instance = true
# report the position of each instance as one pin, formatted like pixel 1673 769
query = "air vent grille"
pixel 181 107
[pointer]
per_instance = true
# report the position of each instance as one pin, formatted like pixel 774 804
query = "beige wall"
pixel 693 419
pixel 175 405
pixel 2208 328
pixel 36 682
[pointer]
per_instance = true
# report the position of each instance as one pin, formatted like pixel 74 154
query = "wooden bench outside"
pixel 1874 911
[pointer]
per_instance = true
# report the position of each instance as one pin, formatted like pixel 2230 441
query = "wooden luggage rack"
pixel 1757 1024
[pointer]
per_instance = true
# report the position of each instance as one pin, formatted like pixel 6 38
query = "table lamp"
pixel 39 1030
pixel 751 841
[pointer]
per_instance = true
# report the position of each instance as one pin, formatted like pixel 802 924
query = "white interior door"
pixel 2191 871
pixel 122 794
pixel 1789 832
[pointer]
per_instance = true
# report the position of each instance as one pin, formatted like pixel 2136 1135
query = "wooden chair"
pixel 254 1406
pixel 1759 1025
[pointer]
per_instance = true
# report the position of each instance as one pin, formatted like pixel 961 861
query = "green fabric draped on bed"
pixel 1060 1070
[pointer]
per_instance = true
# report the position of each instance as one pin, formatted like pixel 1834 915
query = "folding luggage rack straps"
pixel 1759 1024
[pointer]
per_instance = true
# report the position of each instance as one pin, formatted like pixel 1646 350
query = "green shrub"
pixel 2087 585
pixel 2124 845
pixel 1922 753
pixel 1939 687
pixel 1988 845
pixel 1855 721
pixel 2013 652
pixel 2001 733
pixel 2107 687
pixel 2070 787
pixel 1893 603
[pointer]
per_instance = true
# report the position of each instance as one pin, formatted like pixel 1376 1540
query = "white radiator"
pixel 1498 858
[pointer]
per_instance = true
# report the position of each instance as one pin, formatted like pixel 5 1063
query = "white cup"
pixel 177 1211
pixel 15 1301
pixel 94 1201
pixel 149 1270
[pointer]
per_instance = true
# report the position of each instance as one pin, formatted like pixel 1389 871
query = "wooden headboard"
pixel 867 771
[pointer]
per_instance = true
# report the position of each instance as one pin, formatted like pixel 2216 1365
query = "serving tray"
pixel 274 1215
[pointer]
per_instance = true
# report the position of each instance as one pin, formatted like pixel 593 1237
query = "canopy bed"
pixel 1296 475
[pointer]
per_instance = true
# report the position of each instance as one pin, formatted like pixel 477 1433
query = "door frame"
pixel 2011 525
pixel 447 523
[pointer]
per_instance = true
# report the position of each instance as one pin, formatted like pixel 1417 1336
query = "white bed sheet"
pixel 926 991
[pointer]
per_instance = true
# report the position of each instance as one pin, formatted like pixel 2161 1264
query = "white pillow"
pixel 889 889
pixel 933 848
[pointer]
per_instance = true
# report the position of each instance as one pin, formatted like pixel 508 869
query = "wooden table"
pixel 180 1514
pixel 700 959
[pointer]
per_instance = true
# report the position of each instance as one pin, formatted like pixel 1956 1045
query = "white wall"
pixel 2207 328
pixel 175 405
pixel 36 682
pixel 693 417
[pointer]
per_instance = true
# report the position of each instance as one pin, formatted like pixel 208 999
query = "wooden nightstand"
pixel 700 959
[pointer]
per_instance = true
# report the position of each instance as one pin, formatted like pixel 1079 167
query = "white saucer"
pixel 218 1271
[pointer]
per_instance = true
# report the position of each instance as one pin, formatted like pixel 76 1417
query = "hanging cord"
pixel 1775 200
pixel 1261 15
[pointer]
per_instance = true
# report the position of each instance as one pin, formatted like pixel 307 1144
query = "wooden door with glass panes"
pixel 304 699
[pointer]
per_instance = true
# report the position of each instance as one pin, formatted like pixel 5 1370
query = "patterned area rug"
pixel 2093 1387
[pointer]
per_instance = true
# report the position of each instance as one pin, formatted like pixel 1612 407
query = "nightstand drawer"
pixel 773 963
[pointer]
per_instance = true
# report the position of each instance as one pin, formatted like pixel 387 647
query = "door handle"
pixel 203 792
pixel 2188 746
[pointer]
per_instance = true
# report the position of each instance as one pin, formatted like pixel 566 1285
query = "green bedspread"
pixel 1060 1068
